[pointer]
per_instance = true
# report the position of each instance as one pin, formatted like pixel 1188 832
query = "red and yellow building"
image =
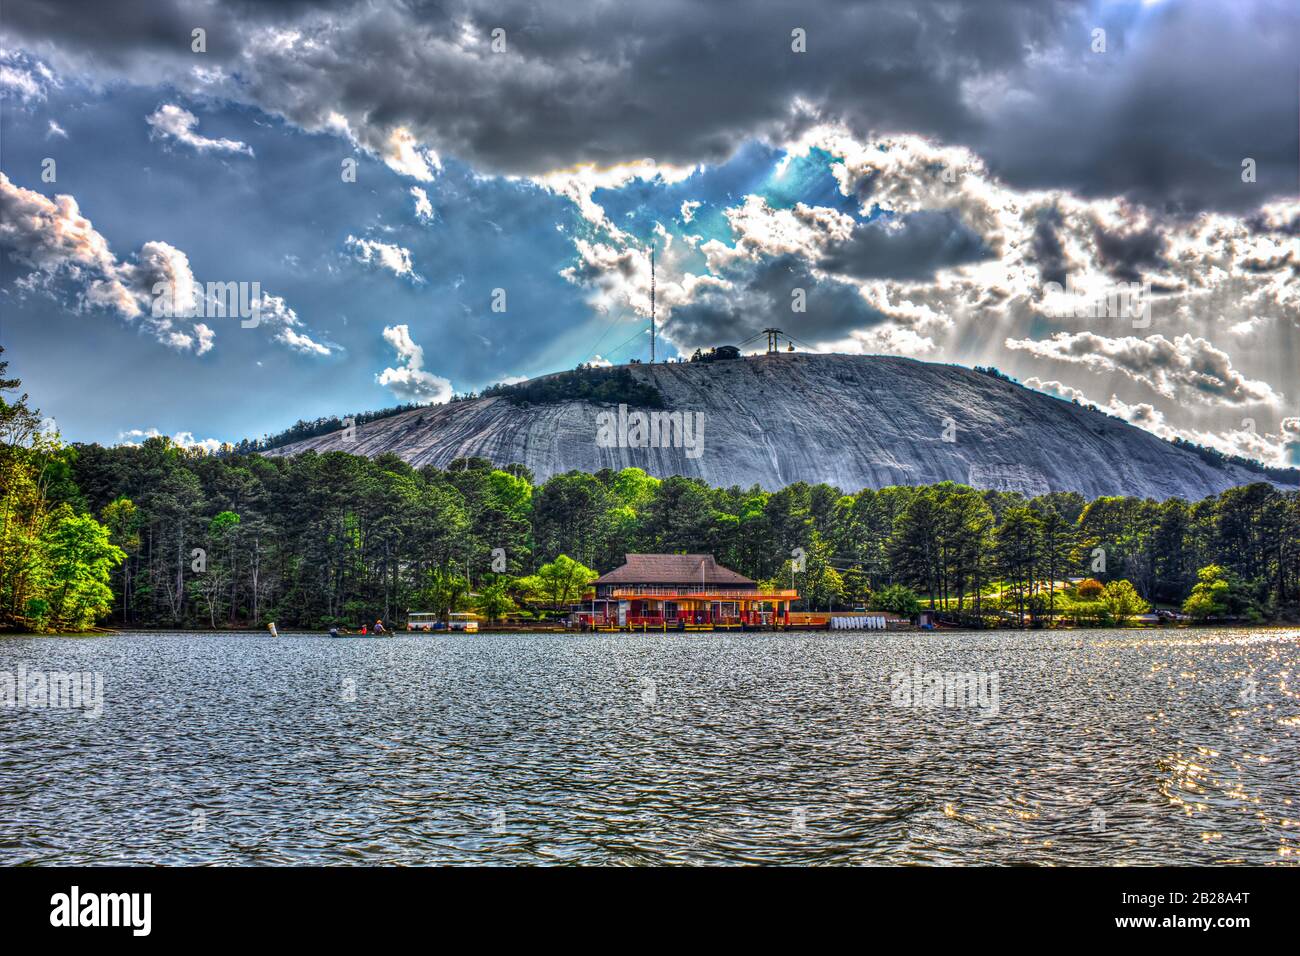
pixel 691 592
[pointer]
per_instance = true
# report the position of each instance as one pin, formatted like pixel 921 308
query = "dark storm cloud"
pixel 925 242
pixel 1126 255
pixel 762 295
pixel 1264 224
pixel 1048 251
pixel 1184 92
pixel 108 34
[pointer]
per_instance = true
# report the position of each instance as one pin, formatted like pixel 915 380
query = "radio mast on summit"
pixel 652 302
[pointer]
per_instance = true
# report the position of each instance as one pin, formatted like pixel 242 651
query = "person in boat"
pixel 363 629
pixel 379 627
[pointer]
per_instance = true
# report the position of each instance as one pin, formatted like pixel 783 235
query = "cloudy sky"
pixel 432 197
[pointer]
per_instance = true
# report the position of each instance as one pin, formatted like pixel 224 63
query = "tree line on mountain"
pixel 605 385
pixel 1211 456
pixel 602 385
pixel 302 430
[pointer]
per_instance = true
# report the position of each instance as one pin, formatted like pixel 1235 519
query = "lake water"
pixel 1086 747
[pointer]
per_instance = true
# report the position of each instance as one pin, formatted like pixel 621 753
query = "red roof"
pixel 673 569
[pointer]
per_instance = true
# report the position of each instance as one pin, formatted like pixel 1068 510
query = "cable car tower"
pixel 774 341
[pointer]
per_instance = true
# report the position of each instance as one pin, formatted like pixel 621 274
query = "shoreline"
pixel 560 631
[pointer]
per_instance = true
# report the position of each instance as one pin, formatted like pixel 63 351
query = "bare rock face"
pixel 851 421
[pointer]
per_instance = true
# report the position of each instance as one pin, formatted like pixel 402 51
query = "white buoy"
pixel 271 627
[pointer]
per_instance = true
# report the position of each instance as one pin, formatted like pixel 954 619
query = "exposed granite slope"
pixel 849 420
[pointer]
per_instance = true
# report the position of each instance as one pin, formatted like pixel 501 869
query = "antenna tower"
pixel 652 303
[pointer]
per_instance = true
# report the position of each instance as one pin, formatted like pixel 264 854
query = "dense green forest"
pixel 157 535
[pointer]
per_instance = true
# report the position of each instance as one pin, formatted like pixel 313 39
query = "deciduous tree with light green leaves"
pixel 55 563
pixel 1121 601
pixel 559 582
pixel 81 558
pixel 494 600
pixel 1219 593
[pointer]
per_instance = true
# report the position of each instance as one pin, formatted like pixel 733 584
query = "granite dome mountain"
pixel 852 421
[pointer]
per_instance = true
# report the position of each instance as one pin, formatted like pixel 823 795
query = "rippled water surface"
pixel 1109 747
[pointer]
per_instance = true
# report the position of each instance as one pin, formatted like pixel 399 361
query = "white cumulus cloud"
pixel 423 208
pixel 385 255
pixel 186 440
pixel 409 380
pixel 156 289
pixel 173 123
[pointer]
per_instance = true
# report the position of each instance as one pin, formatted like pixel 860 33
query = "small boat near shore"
pixel 335 632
